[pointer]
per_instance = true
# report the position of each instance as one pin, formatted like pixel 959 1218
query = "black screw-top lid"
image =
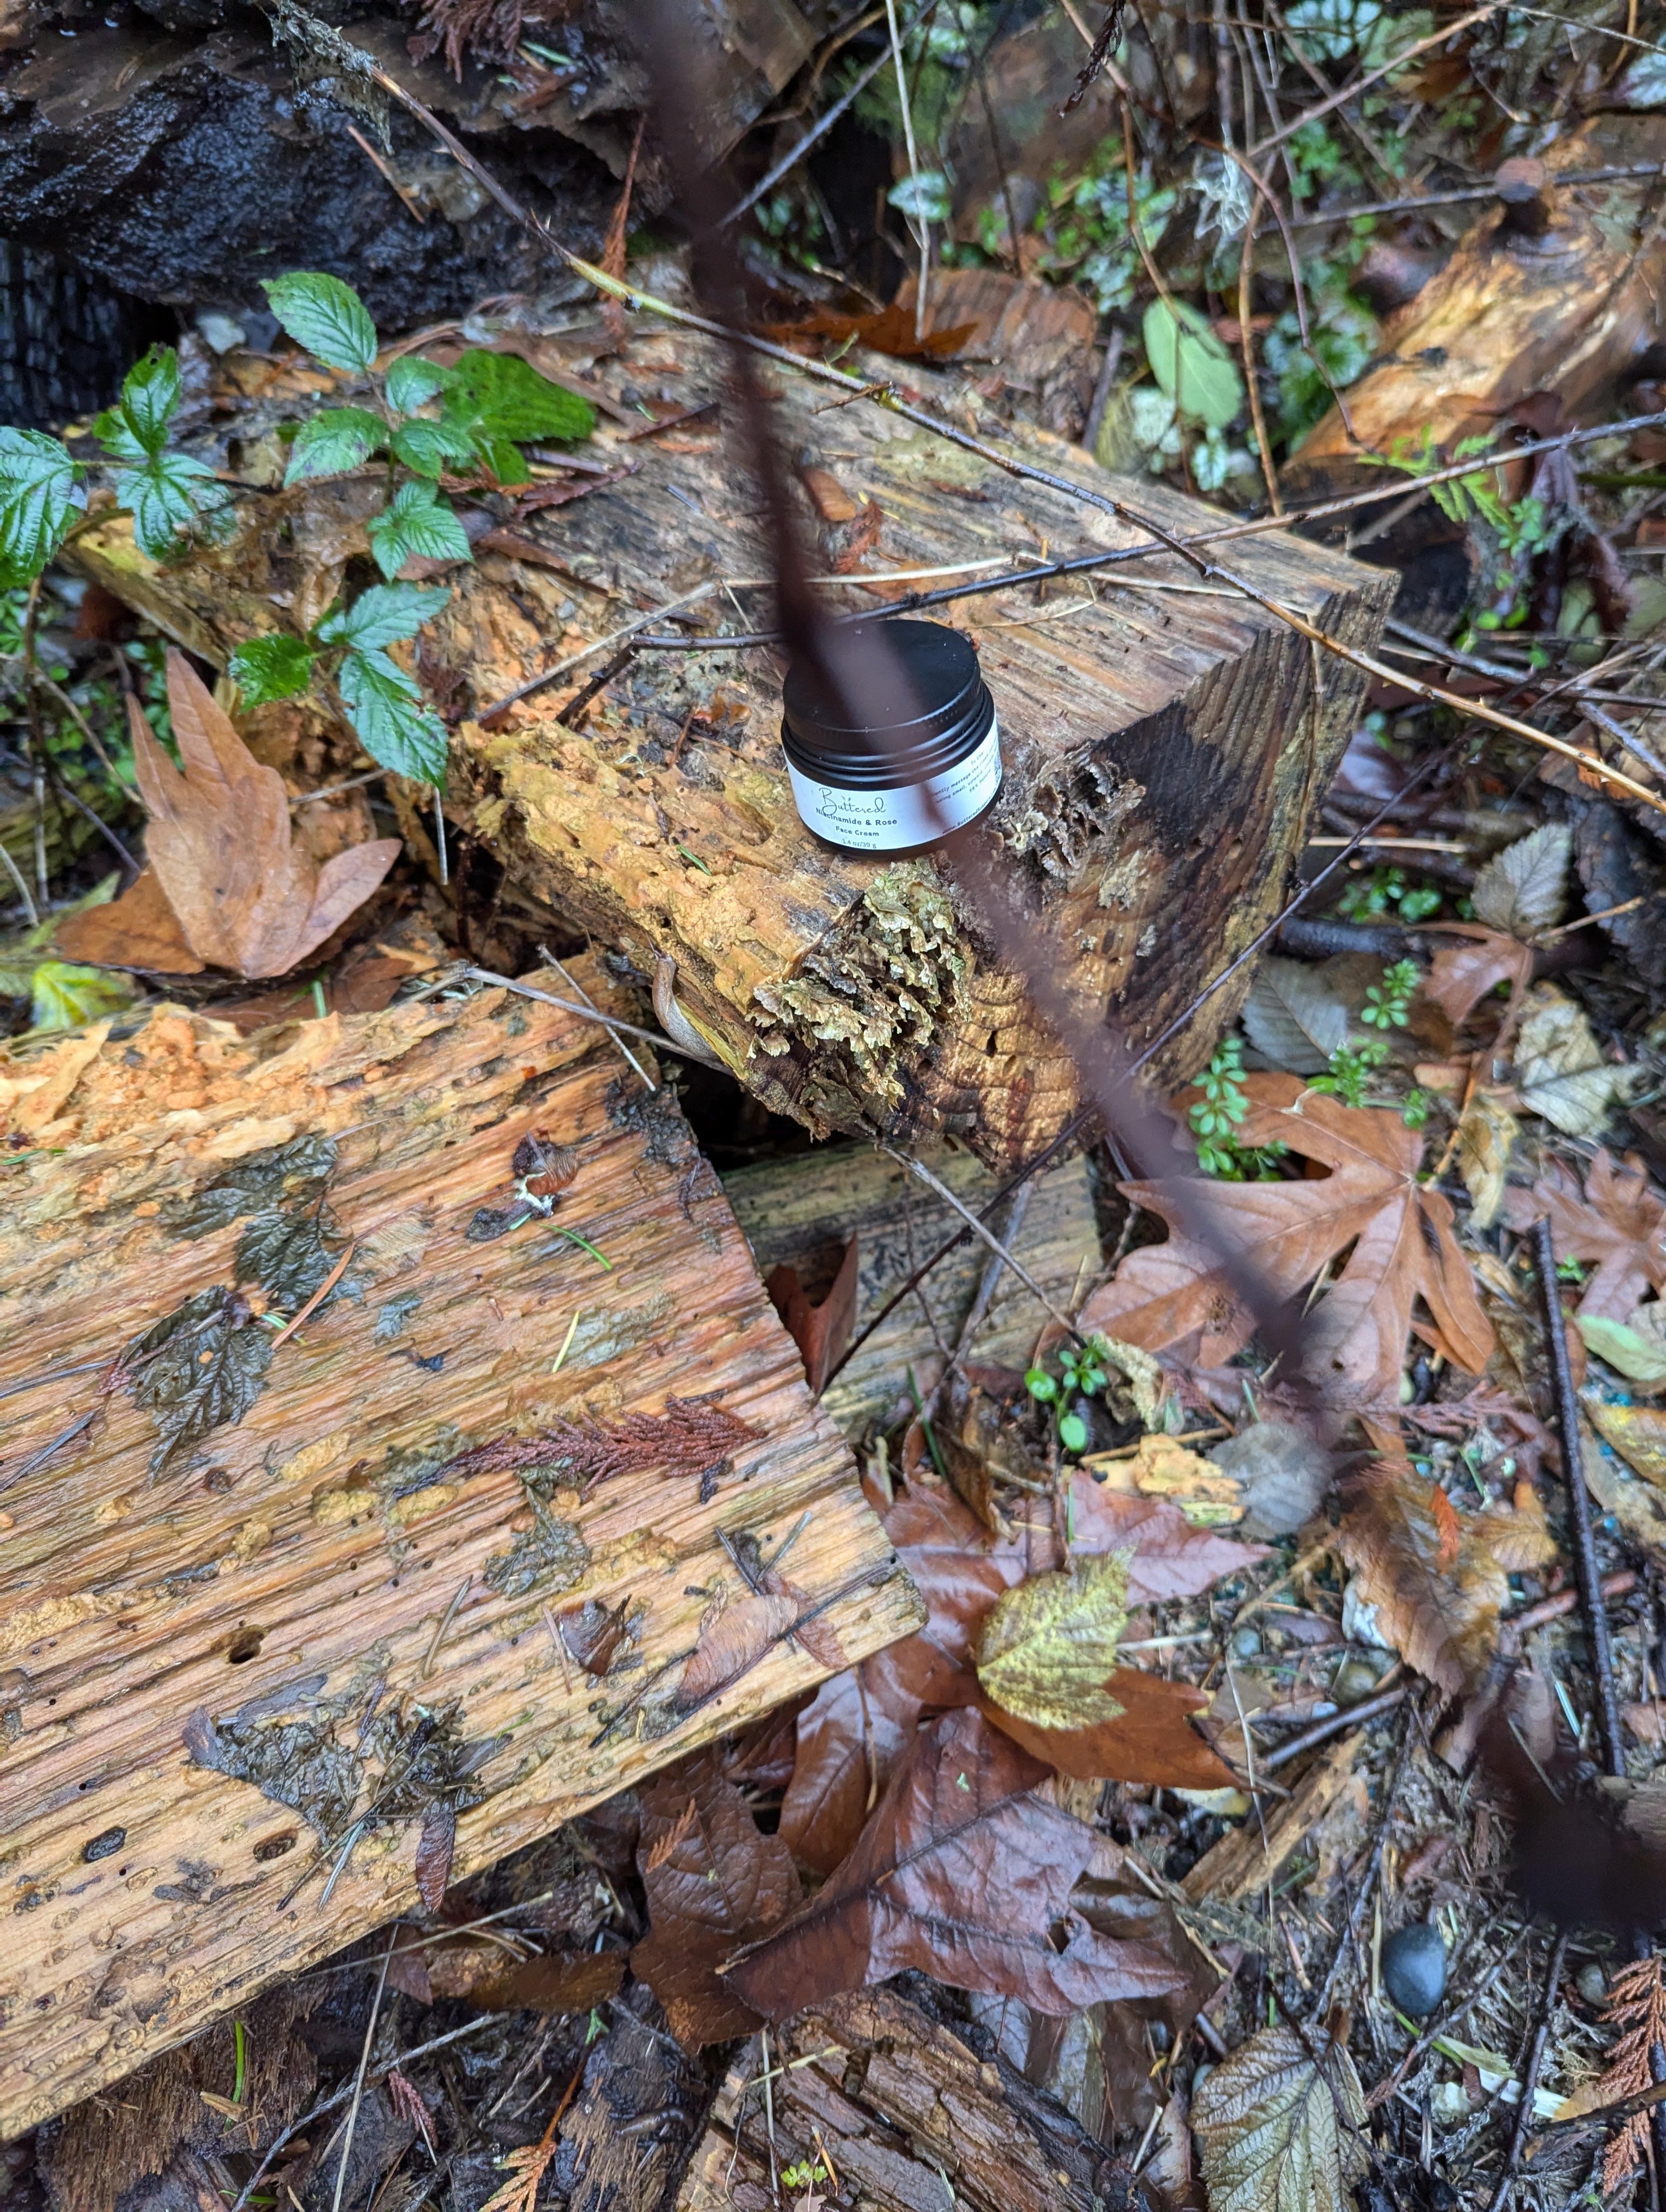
pixel 943 709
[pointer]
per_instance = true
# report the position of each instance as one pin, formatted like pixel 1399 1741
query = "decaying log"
pixel 1162 748
pixel 801 1211
pixel 914 2110
pixel 1553 292
pixel 344 1579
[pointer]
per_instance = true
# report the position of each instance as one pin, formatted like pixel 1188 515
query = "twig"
pixel 1366 1884
pixel 30 909
pixel 631 1061
pixel 917 221
pixel 978 1228
pixel 1368 1709
pixel 1102 392
pixel 364 2063
pixel 1362 83
pixel 445 1621
pixel 328 2105
pixel 1247 346
pixel 572 712
pixel 987 1284
pixel 1584 1543
pixel 1529 2073
pixel 571 1006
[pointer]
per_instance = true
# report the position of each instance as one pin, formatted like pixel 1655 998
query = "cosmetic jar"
pixel 895 787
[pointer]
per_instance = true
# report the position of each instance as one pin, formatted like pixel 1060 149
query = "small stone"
pixel 1284 1474
pixel 1356 1680
pixel 1415 1969
pixel 1246 1644
pixel 1592 1983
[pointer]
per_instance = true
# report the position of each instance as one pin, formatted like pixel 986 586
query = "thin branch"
pixel 364 2064
pixel 1528 2076
pixel 979 1228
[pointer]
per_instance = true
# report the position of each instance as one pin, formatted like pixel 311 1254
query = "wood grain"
pixel 289 1565
pixel 1162 742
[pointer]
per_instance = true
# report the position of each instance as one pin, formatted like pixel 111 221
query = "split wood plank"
pixel 1163 741
pixel 322 1561
pixel 914 2112
pixel 801 1211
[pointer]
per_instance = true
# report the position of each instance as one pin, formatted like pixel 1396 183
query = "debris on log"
pixel 299 1611
pixel 1161 738
pixel 803 1211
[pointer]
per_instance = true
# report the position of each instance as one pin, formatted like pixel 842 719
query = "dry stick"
pixel 364 2063
pixel 1528 2076
pixel 1246 345
pixel 1469 192
pixel 980 1228
pixel 1360 84
pixel 631 1061
pixel 1368 1709
pixel 988 1283
pixel 571 1006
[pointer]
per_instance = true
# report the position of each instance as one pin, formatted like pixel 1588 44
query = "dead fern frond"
pixel 1636 2005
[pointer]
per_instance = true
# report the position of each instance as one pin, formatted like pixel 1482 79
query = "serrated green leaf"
pixel 499 395
pixel 275 667
pixel 427 447
pixel 38 501
pixel 416 521
pixel 149 395
pixel 384 706
pixel 66 997
pixel 1192 365
pixel 172 499
pixel 382 616
pixel 325 316
pixel 330 445
pixel 413 382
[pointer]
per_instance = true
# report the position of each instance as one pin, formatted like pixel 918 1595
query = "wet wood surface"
pixel 1162 739
pixel 328 1567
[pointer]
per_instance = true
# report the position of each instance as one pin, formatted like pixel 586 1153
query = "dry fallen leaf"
pixel 713 1881
pixel 1460 976
pixel 1179 1298
pixel 247 896
pixel 1298 1015
pixel 1208 1496
pixel 138 930
pixel 1279 2133
pixel 820 1331
pixel 1438 1578
pixel 1523 888
pixel 1148 1739
pixel 1635 1347
pixel 1638 1433
pixel 1049 1646
pixel 856 1726
pixel 1485 1131
pixel 964 1873
pixel 1619 1222
pixel 1560 1070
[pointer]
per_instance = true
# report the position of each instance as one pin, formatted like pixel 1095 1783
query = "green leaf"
pixel 427 447
pixel 382 616
pixel 386 707
pixel 38 501
pixel 325 316
pixel 1073 1432
pixel 173 499
pixel 1627 1350
pixel 275 667
pixel 501 461
pixel 413 382
pixel 332 443
pixel 416 521
pixel 1192 365
pixel 149 395
pixel 502 395
pixel 66 997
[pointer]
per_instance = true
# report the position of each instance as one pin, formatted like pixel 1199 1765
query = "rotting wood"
pixel 914 2112
pixel 294 1568
pixel 798 1212
pixel 1161 743
pixel 1246 1858
pixel 1553 292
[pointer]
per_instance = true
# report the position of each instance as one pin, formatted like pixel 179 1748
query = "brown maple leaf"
pixel 821 1332
pixel 713 1881
pixel 966 1874
pixel 857 1726
pixel 246 895
pixel 1179 1298
pixel 1619 1222
pixel 1437 1578
pixel 1460 976
pixel 1152 1739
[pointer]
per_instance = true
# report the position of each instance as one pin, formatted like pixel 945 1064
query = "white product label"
pixel 890 821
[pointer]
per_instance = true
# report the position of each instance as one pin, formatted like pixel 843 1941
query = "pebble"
pixel 1414 1968
pixel 1246 1644
pixel 1592 1983
pixel 1356 1680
